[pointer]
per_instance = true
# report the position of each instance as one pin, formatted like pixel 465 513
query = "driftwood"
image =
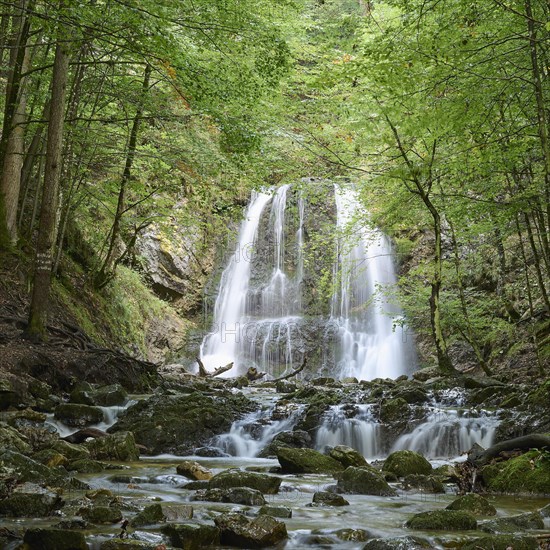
pixel 480 457
pixel 203 373
pixel 85 433
pixel 294 372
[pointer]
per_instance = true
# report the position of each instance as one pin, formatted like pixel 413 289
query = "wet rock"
pixel 25 469
pixel 296 439
pixel 85 434
pixel 411 392
pixel 78 416
pixel 73 524
pixel 447 473
pixel 260 532
pixel 511 524
pixel 276 511
pixel 148 516
pixel 12 392
pixel 120 446
pixel 30 501
pixel 352 535
pixel 235 495
pixel 177 512
pixel 397 543
pixel 126 544
pixel 266 484
pixel 50 458
pixel 109 396
pixel 179 423
pixel 364 481
pixel 191 535
pixel 70 450
pixel 306 461
pixel 325 498
pixel 426 374
pixel 527 473
pixel 86 466
pixel 473 503
pixel 54 539
pixel 427 484
pixel 394 410
pixel 502 542
pixel 347 456
pixel 193 470
pixel 403 463
pixel 195 485
pixel 11 439
pixel 447 520
pixel 210 452
pixel 101 514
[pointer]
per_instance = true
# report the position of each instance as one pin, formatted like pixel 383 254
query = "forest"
pixel 277 241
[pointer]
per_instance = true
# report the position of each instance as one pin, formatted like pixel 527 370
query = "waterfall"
pixel 449 433
pixel 220 347
pixel 370 346
pixel 360 431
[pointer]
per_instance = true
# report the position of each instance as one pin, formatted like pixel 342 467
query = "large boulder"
pixel 193 470
pixel 325 498
pixel 512 524
pixel 102 514
pixel 11 439
pixel 191 536
pixel 30 501
pixel 266 484
pixel 446 520
pixel 235 495
pixel 403 463
pixel 23 469
pixel 54 539
pixel 238 530
pixel 120 446
pixel 502 542
pixel 161 512
pixel 295 439
pixel 347 456
pixel 306 461
pixel 364 481
pixel 473 503
pixel 78 416
pixel 179 423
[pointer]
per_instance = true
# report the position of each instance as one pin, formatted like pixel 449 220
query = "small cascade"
pixel 449 434
pixel 248 436
pixel 370 346
pixel 361 431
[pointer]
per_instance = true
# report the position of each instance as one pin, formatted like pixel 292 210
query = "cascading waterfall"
pixel 370 346
pixel 449 433
pixel 360 431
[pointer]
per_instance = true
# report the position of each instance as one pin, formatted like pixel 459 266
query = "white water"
pixel 360 431
pixel 221 346
pixel 449 434
pixel 370 346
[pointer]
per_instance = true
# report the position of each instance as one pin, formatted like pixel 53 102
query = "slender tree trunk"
pixel 105 274
pixel 48 214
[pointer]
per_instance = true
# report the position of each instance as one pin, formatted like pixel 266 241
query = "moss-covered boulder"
pixel 86 466
pixel 193 470
pixel 120 446
pixel 180 423
pixel 502 542
pixel 191 536
pixel 50 458
pixel 393 410
pixel 283 512
pixel 54 539
pixel 77 415
pixel 364 481
pixel 260 532
pixel 25 469
pixel 236 495
pixel 30 501
pixel 420 482
pixel 102 514
pixel 306 461
pixel 325 498
pixel 297 439
pixel 148 516
pixel 446 520
pixel 266 484
pixel 397 543
pixel 126 544
pixel 71 450
pixel 347 456
pixel 527 473
pixel 512 524
pixel 352 535
pixel 11 439
pixel 109 396
pixel 473 503
pixel 404 463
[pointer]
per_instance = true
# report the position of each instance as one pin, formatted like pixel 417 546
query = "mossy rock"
pixel 397 543
pixel 282 512
pixel 445 520
pixel 11 439
pixel 191 536
pixel 236 495
pixel 102 514
pixel 512 524
pixel 347 456
pixel 78 416
pixel 539 396
pixel 30 501
pixel 324 498
pixel 266 484
pixel 71 450
pixel 502 542
pixel 473 503
pixel 394 410
pixel 260 532
pixel 364 481
pixel 109 396
pixel 306 461
pixel 352 535
pixel 54 539
pixel 50 458
pixel 527 473
pixel 427 484
pixel 25 469
pixel 148 516
pixel 404 463
pixel 86 466
pixel 120 446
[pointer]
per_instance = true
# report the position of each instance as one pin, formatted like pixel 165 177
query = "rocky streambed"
pixel 322 463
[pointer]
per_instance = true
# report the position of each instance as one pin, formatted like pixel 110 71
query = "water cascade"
pixel 449 433
pixel 370 346
pixel 359 431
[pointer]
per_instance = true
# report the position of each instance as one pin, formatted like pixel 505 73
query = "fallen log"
pixel 293 373
pixel 479 457
pixel 206 374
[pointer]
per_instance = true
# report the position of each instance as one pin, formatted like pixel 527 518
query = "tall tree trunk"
pixel 106 272
pixel 36 328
